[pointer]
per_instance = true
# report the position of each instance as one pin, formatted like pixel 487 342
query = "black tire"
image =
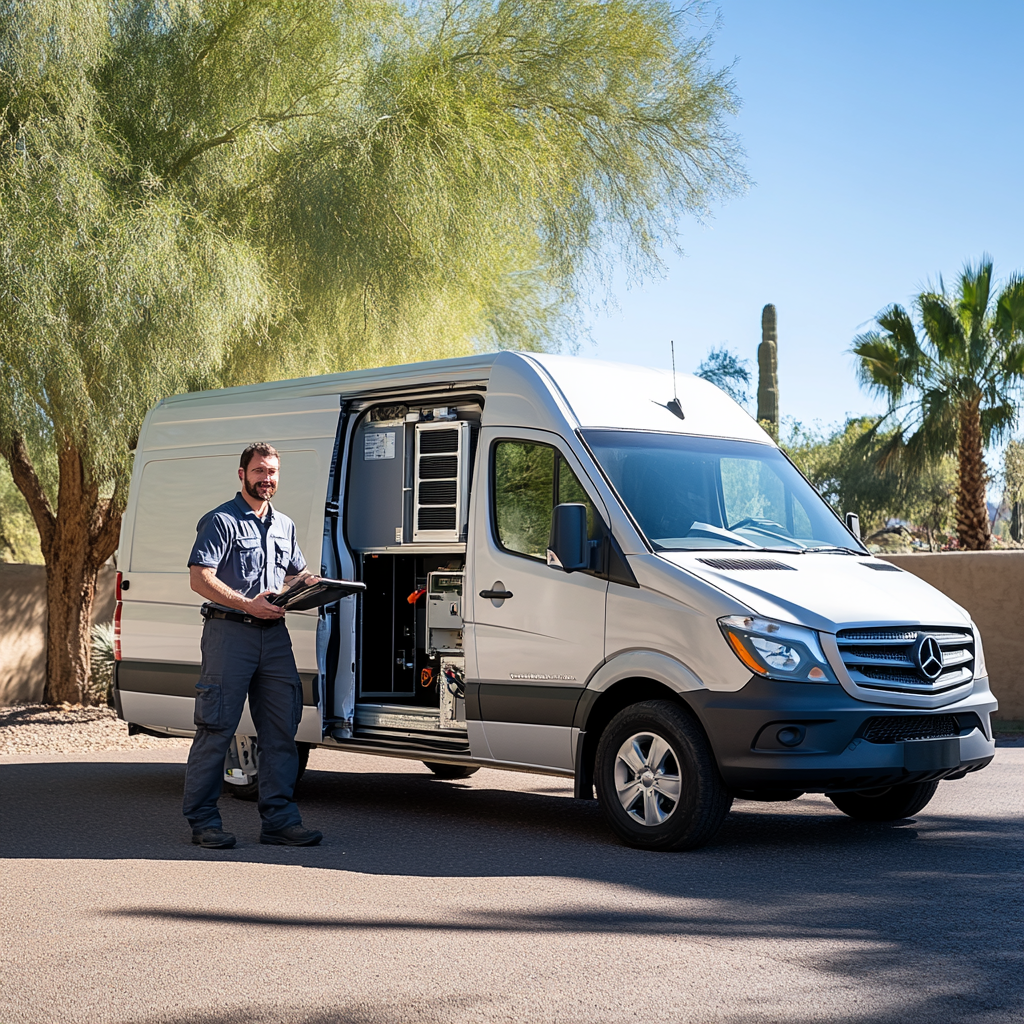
pixel 688 770
pixel 251 790
pixel 888 804
pixel 451 771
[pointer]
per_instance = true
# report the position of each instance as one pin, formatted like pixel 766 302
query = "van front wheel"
pixel 888 804
pixel 657 781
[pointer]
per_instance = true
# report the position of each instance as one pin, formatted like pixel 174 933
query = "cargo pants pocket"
pixel 209 702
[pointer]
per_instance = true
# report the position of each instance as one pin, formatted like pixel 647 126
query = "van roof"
pixel 532 389
pixel 623 396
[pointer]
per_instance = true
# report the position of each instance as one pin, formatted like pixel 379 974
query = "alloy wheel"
pixel 647 778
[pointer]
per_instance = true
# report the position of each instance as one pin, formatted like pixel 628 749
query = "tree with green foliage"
pixel 953 388
pixel 19 539
pixel 844 468
pixel 1013 487
pixel 727 371
pixel 219 192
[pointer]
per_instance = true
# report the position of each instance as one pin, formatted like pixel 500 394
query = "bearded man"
pixel 245 550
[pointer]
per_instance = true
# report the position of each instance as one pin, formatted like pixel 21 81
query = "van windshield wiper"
pixel 833 549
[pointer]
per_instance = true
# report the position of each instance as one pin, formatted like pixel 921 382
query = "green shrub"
pixel 101 678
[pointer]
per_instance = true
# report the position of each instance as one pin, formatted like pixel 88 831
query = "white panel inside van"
pixel 176 493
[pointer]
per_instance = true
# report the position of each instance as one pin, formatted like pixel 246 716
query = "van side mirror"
pixel 853 524
pixel 569 548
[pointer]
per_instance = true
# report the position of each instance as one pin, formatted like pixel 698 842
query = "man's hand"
pixel 261 608
pixel 305 578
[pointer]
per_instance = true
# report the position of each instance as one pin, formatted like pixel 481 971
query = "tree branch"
pixel 231 135
pixel 27 481
pixel 104 531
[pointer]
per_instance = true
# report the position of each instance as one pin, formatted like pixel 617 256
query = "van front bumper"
pixel 777 739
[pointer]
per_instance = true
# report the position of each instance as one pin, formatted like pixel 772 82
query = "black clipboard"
pixel 324 591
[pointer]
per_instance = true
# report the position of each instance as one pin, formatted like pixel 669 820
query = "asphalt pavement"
pixel 497 898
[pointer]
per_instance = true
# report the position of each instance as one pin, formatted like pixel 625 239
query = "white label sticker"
pixel 378 446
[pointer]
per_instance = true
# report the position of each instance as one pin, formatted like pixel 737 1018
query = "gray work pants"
pixel 239 661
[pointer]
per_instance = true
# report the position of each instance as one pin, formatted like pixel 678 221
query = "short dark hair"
pixel 268 451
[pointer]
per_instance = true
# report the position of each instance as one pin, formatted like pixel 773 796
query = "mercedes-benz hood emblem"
pixel 929 657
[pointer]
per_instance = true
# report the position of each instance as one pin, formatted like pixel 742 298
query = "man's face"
pixel 260 479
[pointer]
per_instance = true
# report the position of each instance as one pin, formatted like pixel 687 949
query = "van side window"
pixel 529 480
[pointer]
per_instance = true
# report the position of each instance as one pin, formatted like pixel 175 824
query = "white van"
pixel 568 571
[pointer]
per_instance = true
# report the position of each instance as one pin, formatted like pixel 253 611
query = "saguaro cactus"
pixel 768 370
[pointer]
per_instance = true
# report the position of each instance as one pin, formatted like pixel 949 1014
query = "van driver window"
pixel 529 480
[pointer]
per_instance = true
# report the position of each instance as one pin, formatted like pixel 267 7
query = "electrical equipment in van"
pixel 444 638
pixel 441 475
pixel 452 694
pixel 444 613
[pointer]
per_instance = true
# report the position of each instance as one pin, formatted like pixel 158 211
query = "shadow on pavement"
pixel 937 889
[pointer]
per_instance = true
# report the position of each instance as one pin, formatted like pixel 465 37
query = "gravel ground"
pixel 65 728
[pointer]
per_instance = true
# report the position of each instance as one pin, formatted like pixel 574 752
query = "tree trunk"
pixel 972 524
pixel 76 540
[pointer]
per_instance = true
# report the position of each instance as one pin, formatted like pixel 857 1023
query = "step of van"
pixel 407 728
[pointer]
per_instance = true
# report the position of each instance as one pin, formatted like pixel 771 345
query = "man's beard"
pixel 253 490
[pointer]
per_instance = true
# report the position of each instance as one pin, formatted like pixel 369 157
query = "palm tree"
pixel 953 387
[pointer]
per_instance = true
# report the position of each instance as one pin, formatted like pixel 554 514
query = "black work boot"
pixel 291 835
pixel 213 838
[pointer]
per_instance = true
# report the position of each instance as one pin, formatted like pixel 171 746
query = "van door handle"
pixel 496 595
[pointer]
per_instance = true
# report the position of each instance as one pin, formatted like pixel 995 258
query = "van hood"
pixel 824 591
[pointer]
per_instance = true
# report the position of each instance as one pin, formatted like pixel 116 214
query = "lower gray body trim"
pixel 178 679
pixel 525 703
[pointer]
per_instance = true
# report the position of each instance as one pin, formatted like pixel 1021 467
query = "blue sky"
pixel 885 146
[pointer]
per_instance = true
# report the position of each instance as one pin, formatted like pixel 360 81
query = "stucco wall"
pixel 23 627
pixel 990 585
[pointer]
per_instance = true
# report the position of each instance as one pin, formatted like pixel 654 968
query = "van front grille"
pixel 915 660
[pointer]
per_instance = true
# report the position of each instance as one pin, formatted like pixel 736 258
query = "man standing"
pixel 244 551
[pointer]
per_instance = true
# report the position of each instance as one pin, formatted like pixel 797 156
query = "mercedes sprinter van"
pixel 570 569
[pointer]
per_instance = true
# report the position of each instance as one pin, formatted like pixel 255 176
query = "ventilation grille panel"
pixel 444 438
pixel 895 728
pixel 744 563
pixel 441 490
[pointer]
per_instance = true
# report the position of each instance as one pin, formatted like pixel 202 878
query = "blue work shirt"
pixel 249 554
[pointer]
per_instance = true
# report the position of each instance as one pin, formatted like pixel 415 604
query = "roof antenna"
pixel 673 406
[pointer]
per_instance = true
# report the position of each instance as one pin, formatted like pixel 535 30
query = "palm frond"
pixel 939 410
pixel 944 329
pixel 975 293
pixel 997 421
pixel 889 363
pixel 1008 321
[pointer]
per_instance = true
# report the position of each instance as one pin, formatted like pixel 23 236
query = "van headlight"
pixel 980 668
pixel 777 650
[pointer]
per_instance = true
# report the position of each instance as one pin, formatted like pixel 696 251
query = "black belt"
pixel 209 612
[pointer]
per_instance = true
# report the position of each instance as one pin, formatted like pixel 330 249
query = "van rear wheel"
pixel 451 771
pixel 657 781
pixel 251 790
pixel 888 804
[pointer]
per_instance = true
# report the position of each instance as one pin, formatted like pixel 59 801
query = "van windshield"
pixel 704 492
